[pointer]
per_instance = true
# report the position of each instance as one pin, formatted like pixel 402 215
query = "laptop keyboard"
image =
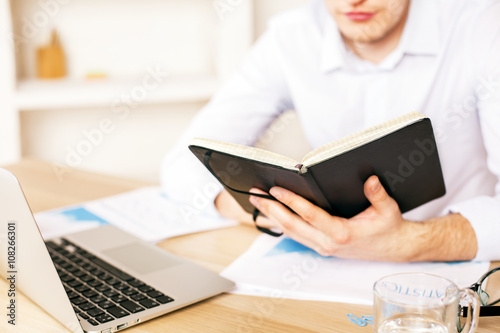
pixel 98 291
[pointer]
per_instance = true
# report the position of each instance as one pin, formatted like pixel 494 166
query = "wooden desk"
pixel 214 250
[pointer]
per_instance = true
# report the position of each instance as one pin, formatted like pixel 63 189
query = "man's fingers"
pixel 298 204
pixel 294 226
pixel 270 208
pixel 280 214
pixel 265 222
pixel 329 230
pixel 311 213
pixel 378 197
pixel 262 220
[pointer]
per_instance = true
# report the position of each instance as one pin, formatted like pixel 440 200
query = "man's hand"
pixel 378 233
pixel 229 208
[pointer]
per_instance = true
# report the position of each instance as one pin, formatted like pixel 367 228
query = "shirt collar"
pixel 421 33
pixel 420 37
pixel 334 50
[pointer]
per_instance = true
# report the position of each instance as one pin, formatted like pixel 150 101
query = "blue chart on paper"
pixel 288 245
pixel 80 214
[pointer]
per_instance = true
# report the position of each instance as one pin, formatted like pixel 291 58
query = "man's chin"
pixel 364 34
pixel 361 37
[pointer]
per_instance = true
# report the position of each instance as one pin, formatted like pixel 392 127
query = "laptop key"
pixel 129 292
pixel 73 270
pixel 57 260
pixel 117 312
pixel 94 270
pixel 95 312
pixel 53 245
pixel 95 283
pixel 138 297
pixel 106 304
pixel 164 299
pixel 98 299
pixel 66 278
pixel 135 283
pixel 119 298
pixel 104 318
pixel 84 315
pixel 79 274
pixel 87 266
pixel 90 293
pixel 112 281
pixel 66 265
pixel 111 293
pixel 102 288
pixel 74 284
pixel 72 294
pixel 84 253
pixel 131 306
pixel 78 300
pixel 148 303
pixel 121 286
pixel 100 273
pixel 86 306
pixel 145 288
pixel 93 322
pixel 79 261
pixel 64 241
pixel 155 294
pixel 87 278
pixel 82 288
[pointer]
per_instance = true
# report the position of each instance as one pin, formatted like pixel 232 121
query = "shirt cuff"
pixel 483 213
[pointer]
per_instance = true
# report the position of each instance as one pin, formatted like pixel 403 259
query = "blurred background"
pixel 109 86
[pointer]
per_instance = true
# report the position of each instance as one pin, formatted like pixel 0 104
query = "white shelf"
pixel 187 38
pixel 67 93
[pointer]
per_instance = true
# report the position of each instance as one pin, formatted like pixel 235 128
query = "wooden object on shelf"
pixel 92 75
pixel 228 41
pixel 51 61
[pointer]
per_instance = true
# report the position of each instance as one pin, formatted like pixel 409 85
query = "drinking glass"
pixel 421 303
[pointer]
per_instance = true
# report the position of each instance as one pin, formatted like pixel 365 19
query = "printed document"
pixel 283 268
pixel 145 212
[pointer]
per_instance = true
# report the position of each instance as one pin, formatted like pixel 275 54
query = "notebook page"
pixel 252 153
pixel 357 139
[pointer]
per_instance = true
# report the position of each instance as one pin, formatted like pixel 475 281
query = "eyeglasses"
pixel 488 300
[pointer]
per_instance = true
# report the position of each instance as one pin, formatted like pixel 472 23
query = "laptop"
pixel 99 280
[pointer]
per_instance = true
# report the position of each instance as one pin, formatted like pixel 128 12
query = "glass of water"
pixel 421 303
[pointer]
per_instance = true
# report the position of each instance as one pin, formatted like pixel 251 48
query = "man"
pixel 344 65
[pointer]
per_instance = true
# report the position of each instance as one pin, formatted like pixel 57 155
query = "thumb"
pixel 378 197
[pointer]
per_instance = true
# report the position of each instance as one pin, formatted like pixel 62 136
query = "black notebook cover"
pixel 406 161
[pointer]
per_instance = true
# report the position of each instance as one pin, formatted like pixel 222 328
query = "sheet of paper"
pixel 283 268
pixel 145 212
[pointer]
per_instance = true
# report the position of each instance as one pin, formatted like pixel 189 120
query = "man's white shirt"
pixel 447 66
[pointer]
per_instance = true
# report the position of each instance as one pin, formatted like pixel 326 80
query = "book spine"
pixel 319 197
